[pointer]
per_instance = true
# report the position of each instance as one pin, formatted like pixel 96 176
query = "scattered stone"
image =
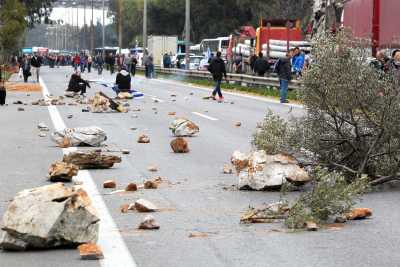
pixel 152 168
pixel 90 251
pixel 197 234
pixel 143 205
pixel 134 128
pixel 143 139
pixel 149 223
pixel 125 151
pixel 171 113
pixel 136 110
pixel 21 109
pixel 150 184
pixel 227 169
pixel 18 102
pixel 184 128
pixel 156 100
pixel 232 103
pixel 70 116
pixel 173 95
pixel 179 145
pixel 109 184
pixel 62 172
pixel 154 108
pixel 266 214
pixel 91 159
pixel 131 187
pixel 77 182
pixel 85 110
pixel 84 136
pixel 238 124
pixel 48 217
pixel 43 127
pixel 42 135
pixel 134 116
pixel 124 208
pixel 359 214
pixel 311 226
pixel 259 171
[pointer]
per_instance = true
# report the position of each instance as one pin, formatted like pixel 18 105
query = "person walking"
pixel 76 62
pixel 218 70
pixel 284 70
pixel 89 63
pixel 100 63
pixel 253 59
pixel 36 63
pixel 261 65
pixel 238 63
pixel 133 65
pixel 26 68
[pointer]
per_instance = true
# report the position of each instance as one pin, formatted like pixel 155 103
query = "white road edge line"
pixel 263 99
pixel 204 116
pixel 116 253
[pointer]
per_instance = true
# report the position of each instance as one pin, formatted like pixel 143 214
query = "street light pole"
pixel 77 29
pixel 120 25
pixel 145 25
pixel 187 34
pixel 92 32
pixel 103 31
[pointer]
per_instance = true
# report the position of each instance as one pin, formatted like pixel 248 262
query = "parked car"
pixel 195 62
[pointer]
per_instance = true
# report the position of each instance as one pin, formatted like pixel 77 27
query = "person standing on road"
pixel 218 70
pixel 100 63
pixel 89 63
pixel 76 62
pixel 133 66
pixel 36 63
pixel 261 65
pixel 26 68
pixel 284 70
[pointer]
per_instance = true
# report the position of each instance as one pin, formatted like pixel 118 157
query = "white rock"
pixel 48 217
pixel 143 205
pixel 183 128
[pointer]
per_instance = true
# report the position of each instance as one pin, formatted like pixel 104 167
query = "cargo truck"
pixel 159 45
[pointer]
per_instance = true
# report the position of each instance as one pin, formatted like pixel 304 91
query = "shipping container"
pixel 159 45
pixel 377 20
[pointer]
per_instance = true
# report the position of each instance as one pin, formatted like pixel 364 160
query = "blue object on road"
pixel 114 87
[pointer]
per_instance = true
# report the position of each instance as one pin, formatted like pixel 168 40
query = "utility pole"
pixel 145 25
pixel 78 36
pixel 120 25
pixel 187 34
pixel 92 32
pixel 84 26
pixel 103 31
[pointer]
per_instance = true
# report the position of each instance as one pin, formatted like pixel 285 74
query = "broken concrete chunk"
pixel 143 139
pixel 43 127
pixel 85 136
pixel 125 151
pixel 259 171
pixel 149 223
pixel 150 185
pixel 238 124
pixel 143 205
pixel 131 187
pixel 90 252
pixel 48 217
pixel 359 214
pixel 109 184
pixel 62 172
pixel 179 145
pixel 184 128
pixel 21 109
pixel 171 113
pixel 91 159
pixel 152 168
pixel 311 226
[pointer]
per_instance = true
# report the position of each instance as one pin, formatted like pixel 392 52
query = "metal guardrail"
pixel 243 79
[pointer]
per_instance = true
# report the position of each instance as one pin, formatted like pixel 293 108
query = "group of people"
pixel 30 65
pixel 384 64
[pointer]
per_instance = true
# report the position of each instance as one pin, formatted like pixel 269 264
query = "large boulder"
pixel 184 128
pixel 259 171
pixel 85 136
pixel 48 217
pixel 62 172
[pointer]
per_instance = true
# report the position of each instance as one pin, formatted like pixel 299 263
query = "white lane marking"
pixel 204 116
pixel 116 254
pixel 259 98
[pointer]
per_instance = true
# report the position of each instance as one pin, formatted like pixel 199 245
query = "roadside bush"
pixel 330 196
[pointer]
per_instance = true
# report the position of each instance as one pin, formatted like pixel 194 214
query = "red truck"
pixel 375 19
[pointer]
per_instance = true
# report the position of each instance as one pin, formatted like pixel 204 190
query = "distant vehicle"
pixel 159 45
pixel 220 44
pixel 180 57
pixel 195 63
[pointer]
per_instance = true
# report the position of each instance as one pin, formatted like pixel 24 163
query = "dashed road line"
pixel 204 116
pixel 116 253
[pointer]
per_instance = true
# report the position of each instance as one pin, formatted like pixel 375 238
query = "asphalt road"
pixel 195 198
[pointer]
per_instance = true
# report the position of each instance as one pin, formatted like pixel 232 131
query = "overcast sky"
pixel 66 14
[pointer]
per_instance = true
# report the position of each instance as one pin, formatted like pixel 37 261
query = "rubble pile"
pixel 48 217
pixel 84 136
pixel 100 104
pixel 259 171
pixel 62 172
pixel 184 128
pixel 91 159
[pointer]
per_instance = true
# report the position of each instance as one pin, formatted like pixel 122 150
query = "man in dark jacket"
pixel 253 59
pixel 36 63
pixel 218 70
pixel 76 85
pixel 261 65
pixel 284 71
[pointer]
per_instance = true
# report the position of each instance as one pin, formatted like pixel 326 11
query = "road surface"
pixel 197 197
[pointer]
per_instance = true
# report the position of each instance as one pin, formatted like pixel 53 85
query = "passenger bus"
pixel 214 45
